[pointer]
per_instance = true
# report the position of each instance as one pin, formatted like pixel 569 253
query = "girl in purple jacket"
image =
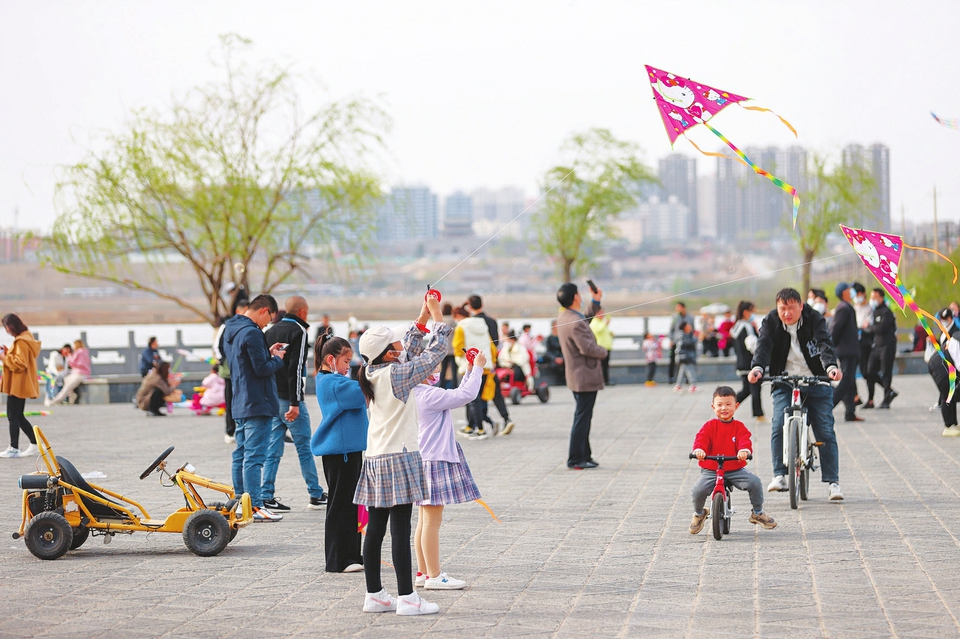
pixel 448 478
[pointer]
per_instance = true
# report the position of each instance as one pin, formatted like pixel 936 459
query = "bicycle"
pixel 800 454
pixel 721 504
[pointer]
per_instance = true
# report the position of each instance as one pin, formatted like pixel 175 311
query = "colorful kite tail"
pixel 930 250
pixel 782 119
pixel 951 370
pixel 777 181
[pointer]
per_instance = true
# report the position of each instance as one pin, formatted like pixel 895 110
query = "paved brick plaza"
pixel 602 553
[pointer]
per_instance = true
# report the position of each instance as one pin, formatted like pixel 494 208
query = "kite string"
pixel 777 181
pixel 521 213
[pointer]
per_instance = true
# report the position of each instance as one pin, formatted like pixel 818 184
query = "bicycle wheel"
pixel 727 512
pixel 793 461
pixel 805 471
pixel 718 514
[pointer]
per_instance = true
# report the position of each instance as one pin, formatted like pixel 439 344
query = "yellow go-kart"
pixel 61 510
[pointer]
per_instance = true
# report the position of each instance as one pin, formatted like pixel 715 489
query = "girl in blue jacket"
pixel 340 441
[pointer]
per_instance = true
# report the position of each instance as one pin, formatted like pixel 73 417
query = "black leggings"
pixel 17 421
pixel 399 517
pixel 753 391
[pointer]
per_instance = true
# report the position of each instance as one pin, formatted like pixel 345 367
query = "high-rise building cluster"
pixel 736 204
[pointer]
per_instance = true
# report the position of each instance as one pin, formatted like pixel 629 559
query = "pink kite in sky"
pixel 684 104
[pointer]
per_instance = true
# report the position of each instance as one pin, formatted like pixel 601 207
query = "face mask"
pixel 858 300
pixel 401 356
pixel 874 303
pixel 434 379
pixel 819 307
pixel 811 301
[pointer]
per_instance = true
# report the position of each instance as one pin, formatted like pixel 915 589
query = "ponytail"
pixel 365 384
pixel 326 345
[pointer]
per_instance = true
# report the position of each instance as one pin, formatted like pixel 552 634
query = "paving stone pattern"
pixel 599 553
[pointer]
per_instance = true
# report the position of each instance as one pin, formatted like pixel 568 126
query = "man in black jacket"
pixel 794 340
pixel 292 331
pixel 883 327
pixel 846 340
pixel 476 306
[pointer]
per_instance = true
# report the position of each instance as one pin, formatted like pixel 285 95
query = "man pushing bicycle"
pixel 794 339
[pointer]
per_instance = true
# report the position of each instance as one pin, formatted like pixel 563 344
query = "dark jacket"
pixel 687 348
pixel 291 378
pixel 148 359
pixel 773 344
pixel 844 333
pixel 883 328
pixel 251 368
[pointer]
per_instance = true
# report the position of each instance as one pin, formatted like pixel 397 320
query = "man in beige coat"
pixel 582 358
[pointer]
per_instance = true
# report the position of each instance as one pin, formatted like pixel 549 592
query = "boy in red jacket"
pixel 728 437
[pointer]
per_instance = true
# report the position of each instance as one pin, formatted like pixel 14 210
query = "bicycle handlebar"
pixel 797 380
pixel 722 458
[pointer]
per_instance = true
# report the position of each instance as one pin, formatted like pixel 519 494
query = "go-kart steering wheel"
pixel 156 463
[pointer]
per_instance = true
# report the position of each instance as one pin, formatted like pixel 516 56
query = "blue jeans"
pixel 819 403
pixel 248 457
pixel 300 432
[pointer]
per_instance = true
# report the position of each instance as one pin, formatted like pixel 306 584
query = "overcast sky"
pixel 483 94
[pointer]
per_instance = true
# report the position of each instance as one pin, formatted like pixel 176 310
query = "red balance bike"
pixel 722 507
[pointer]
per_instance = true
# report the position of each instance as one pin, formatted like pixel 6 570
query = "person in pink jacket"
pixel 448 478
pixel 78 363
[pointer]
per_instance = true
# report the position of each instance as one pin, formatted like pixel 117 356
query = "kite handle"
pixel 935 252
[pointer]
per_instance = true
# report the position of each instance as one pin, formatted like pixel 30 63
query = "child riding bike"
pixel 725 436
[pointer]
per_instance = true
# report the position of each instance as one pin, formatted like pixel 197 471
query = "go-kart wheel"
pixel 543 393
pixel 233 533
pixel 48 535
pixel 156 463
pixel 206 532
pixel 79 536
pixel 515 395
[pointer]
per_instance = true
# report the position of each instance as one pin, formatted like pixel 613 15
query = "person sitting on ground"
pixel 213 396
pixel 447 478
pixel 728 437
pixel 158 389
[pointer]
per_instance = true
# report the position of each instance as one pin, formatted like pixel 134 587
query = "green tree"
pixel 236 181
pixel 841 194
pixel 600 177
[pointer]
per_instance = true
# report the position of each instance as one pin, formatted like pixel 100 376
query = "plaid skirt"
pixel 448 482
pixel 390 480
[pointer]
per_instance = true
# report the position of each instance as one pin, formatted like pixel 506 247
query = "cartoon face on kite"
pixel 715 97
pixel 866 250
pixel 675 91
pixel 890 244
pixel 888 268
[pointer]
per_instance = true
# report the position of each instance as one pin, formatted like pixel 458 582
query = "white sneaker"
pixel 835 494
pixel 443 582
pixel 354 568
pixel 30 451
pixel 48 401
pixel 379 602
pixel 262 514
pixel 419 580
pixel 412 604
pixel 229 439
pixel 10 452
pixel 951 431
pixel 778 485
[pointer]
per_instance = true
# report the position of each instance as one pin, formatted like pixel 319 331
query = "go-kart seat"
pixel 72 476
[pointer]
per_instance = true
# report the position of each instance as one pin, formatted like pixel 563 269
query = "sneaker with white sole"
pixel 835 494
pixel 263 514
pixel 275 504
pixel 778 485
pixel 763 519
pixel 379 602
pixel 951 431
pixel 229 439
pixel 412 604
pixel 317 503
pixel 444 582
pixel 354 568
pixel 696 524
pixel 420 580
pixel 30 451
pixel 507 428
pixel 10 452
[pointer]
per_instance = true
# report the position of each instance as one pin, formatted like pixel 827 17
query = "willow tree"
pixel 236 180
pixel 600 178
pixel 841 194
